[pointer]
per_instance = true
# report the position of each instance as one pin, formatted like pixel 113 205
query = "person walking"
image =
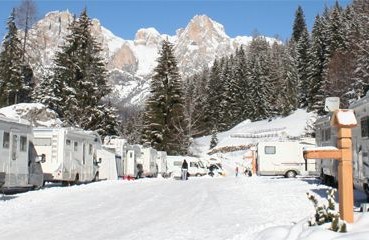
pixel 184 170
pixel 236 171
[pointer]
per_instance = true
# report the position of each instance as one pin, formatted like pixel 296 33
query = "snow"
pixel 36 113
pixel 114 42
pixel 232 208
pixel 291 126
pixel 147 57
pixel 346 117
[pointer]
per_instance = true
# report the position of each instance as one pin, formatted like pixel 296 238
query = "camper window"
pixel 90 149
pixel 68 142
pixel 364 127
pixel 75 146
pixel 269 149
pixel 23 144
pixel 6 138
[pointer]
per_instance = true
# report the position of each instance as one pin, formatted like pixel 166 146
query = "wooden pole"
pixel 345 182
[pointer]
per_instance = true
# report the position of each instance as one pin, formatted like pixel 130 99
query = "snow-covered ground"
pixel 200 208
pixel 232 208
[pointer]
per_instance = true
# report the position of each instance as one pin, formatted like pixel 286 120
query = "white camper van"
pixel 119 146
pixel 161 161
pixel 283 158
pixel 133 153
pixel 20 169
pixel 107 165
pixel 70 154
pixel 326 136
pixel 195 166
pixel 146 163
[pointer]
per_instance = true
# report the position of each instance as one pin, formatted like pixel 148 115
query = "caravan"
pixel 326 135
pixel 146 163
pixel 70 154
pixel 161 161
pixel 283 158
pixel 20 169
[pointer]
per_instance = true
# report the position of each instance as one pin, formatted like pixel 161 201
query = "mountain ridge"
pixel 130 62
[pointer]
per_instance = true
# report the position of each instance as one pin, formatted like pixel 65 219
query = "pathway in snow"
pixel 201 208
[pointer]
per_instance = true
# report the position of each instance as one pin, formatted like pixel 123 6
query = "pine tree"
pixel 213 98
pixel 258 74
pixel 11 79
pixel 195 101
pixel 289 81
pixel 79 79
pixel 299 25
pixel 164 119
pixel 317 87
pixel 243 98
pixel 302 55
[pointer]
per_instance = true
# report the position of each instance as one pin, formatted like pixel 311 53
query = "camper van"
pixel 119 146
pixel 107 165
pixel 283 158
pixel 326 135
pixel 146 163
pixel 195 166
pixel 69 153
pixel 20 168
pixel 131 162
pixel 161 161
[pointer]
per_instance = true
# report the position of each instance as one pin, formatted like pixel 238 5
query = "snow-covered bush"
pixel 327 214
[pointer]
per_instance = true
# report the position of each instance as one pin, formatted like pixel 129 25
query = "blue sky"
pixel 239 17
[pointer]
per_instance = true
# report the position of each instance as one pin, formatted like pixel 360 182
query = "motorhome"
pixel 20 169
pixel 360 145
pixel 161 161
pixel 119 146
pixel 107 165
pixel 70 154
pixel 283 158
pixel 195 166
pixel 131 167
pixel 326 136
pixel 146 163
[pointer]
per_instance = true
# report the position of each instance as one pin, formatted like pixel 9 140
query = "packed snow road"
pixel 200 208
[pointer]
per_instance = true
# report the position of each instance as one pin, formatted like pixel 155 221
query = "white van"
pixel 195 166
pixel 283 158
pixel 70 154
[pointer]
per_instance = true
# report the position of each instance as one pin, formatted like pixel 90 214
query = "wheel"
pixel 290 174
pixel 198 175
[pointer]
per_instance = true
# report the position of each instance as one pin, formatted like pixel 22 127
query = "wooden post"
pixel 345 182
pixel 344 120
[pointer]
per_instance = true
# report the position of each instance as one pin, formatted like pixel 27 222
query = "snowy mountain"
pixel 131 62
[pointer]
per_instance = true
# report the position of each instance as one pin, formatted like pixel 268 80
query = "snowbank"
pixel 247 132
pixel 36 113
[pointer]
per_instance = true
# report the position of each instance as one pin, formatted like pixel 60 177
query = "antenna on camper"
pixel 332 104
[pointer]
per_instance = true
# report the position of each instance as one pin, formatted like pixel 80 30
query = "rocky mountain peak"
pixel 148 37
pixel 202 26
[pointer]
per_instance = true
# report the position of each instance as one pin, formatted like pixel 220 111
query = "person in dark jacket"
pixel 184 170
